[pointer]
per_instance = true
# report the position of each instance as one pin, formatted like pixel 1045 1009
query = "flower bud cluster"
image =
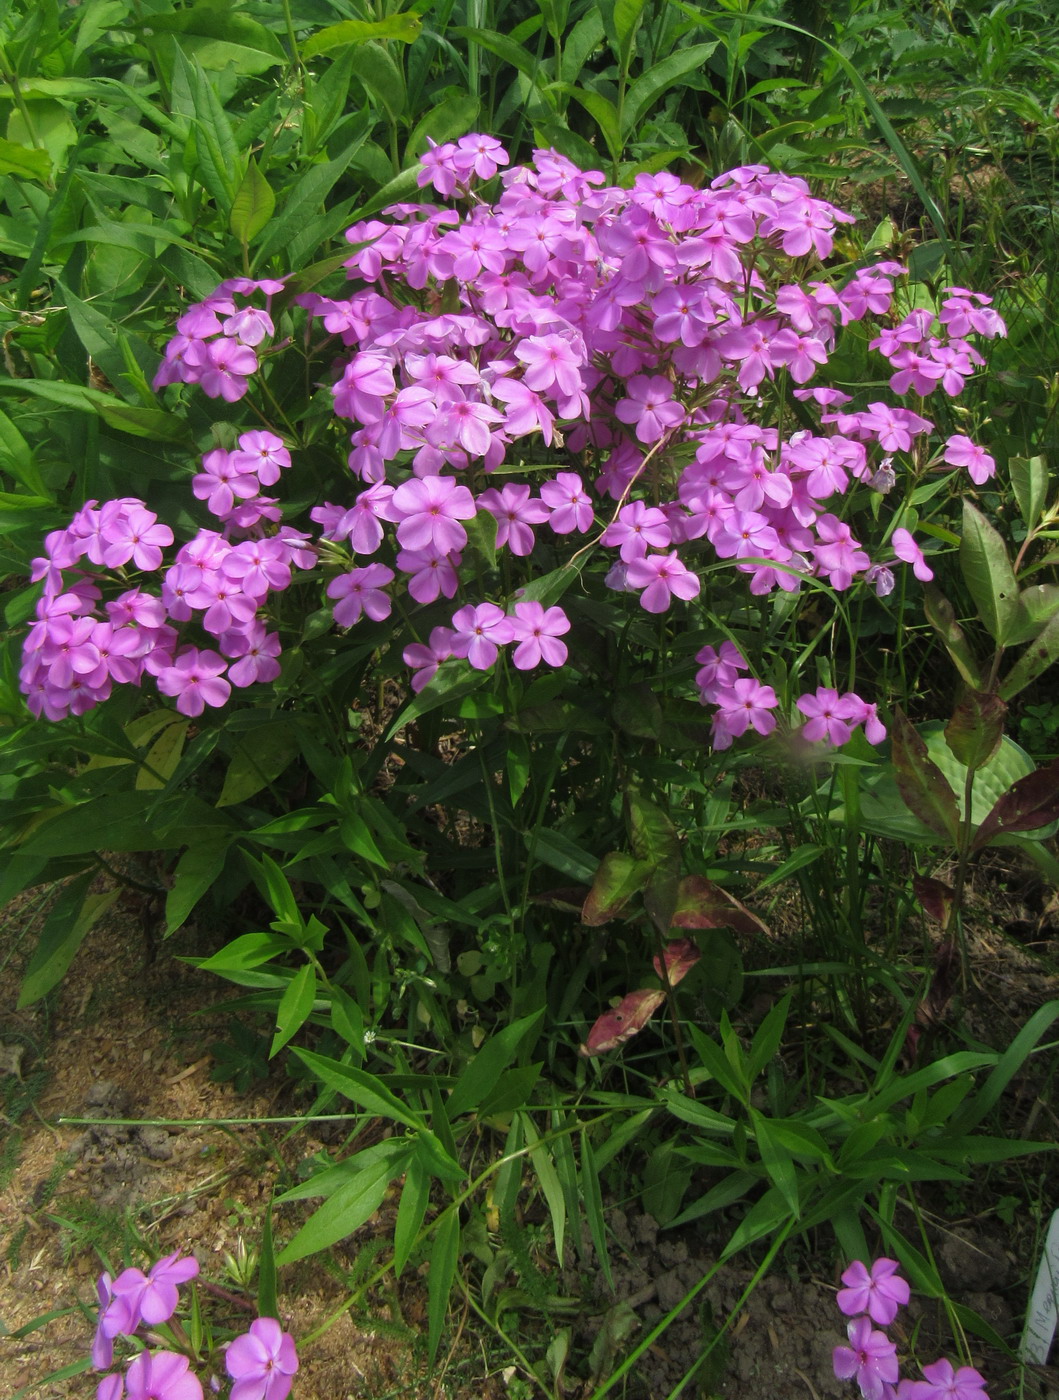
pixel 874 1296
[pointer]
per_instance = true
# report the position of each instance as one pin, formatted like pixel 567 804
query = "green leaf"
pixel 259 758
pixel 252 206
pixel 380 74
pixel 25 161
pixel 540 1156
pixel 601 110
pixel 295 1007
pixel 988 574
pixel 1030 804
pixel 415 1197
pixel 658 79
pixel 403 27
pixel 73 914
pixel 651 833
pixel 777 1161
pixel 592 1198
pixel 140 422
pixel 361 1088
pixel 267 1305
pixel 196 871
pixel 1041 653
pixel 1029 481
pixel 942 617
pixel 444 1257
pixel 452 117
pixel 348 1208
pixel 504 47
pixel 162 758
pixel 483 1072
pixel 618 878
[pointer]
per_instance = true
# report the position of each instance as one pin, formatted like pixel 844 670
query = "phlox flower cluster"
pixel 635 332
pixel 261 1362
pixel 874 1295
pixel 744 703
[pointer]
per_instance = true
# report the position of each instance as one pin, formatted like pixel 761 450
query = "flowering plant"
pixel 261 1362
pixel 874 1296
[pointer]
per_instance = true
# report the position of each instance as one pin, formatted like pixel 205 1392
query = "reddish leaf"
pixel 680 956
pixel 623 1021
pixel 702 904
pixel 976 728
pixel 1030 803
pixel 921 783
pixel 935 896
pixel 618 878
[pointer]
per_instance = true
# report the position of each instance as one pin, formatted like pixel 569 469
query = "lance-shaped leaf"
pixel 942 617
pixel 1038 604
pixel 1042 652
pixel 633 1012
pixel 976 728
pixel 1029 804
pixel 988 574
pixel 652 835
pixel 935 897
pixel 921 783
pixel 1029 480
pixel 702 904
pixel 618 878
pixel 662 893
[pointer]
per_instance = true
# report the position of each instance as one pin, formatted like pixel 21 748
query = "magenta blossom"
pixel 871 1358
pixel 879 1292
pixel 943 1383
pixel 537 631
pixel 161 1375
pixel 479 632
pixel 262 1362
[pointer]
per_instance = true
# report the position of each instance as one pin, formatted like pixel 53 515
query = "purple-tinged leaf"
pixel 680 957
pixel 935 897
pixel 922 785
pixel 976 728
pixel 702 904
pixel 1030 803
pixel 623 1021
pixel 942 617
pixel 1041 653
pixel 618 878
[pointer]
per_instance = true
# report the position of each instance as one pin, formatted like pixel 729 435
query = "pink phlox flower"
pixel 639 527
pixel 103 1342
pixel 662 578
pixel 220 481
pixel 839 555
pixel 426 657
pixel 570 506
pixel 894 428
pixel 129 531
pixel 963 312
pixel 944 1383
pixel 250 325
pixel 159 1297
pixel 259 566
pixel 224 367
pixel 829 716
pixel 870 1358
pixel 651 406
pixel 194 679
pixel 552 365
pixel 428 510
pixel 515 513
pixel 800 352
pixel 537 629
pixel 366 383
pixel 437 168
pixel 909 552
pixel 718 670
pixel 161 1375
pixel 878 1291
pixel 744 705
pixel 433 574
pixel 255 654
pixel 444 375
pixel 463 423
pixel 360 593
pixel 526 412
pixel 261 454
pixel 479 632
pixel 262 1362
pixel 480 155
pixel 960 451
pixel 111 1387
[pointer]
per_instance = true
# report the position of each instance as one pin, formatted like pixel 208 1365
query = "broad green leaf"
pixel 74 913
pixel 118 822
pixel 274 887
pixel 1030 482
pixel 403 27
pixel 601 110
pixel 451 118
pixel 651 832
pixel 260 756
pixel 140 422
pixel 618 878
pixel 579 44
pixel 444 1257
pixel 249 950
pixel 505 47
pixel 1039 656
pixel 196 871
pixel 988 574
pixel 27 162
pixel 477 1080
pixel 295 1007
pixel 160 762
pixel 777 1161
pixel 1038 604
pixel 220 163
pixel 304 198
pixel 380 74
pixel 646 90
pixel 361 1088
pixel 1030 804
pixel 253 204
pixel 53 129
